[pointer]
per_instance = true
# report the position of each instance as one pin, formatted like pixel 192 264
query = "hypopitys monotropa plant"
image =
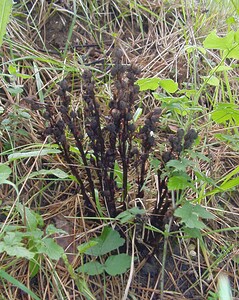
pixel 103 140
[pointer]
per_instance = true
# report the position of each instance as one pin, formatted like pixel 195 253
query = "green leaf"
pixel 179 182
pixel 117 264
pixel 20 155
pixel 5 12
pixel 177 165
pixel 82 248
pixel 33 219
pixel 212 80
pixel 168 85
pixel 20 252
pixel 109 240
pixel 51 229
pixel 137 114
pixel 233 53
pixel 5 172
pixel 153 83
pixel 34 266
pixel 129 214
pixel 221 69
pixel 18 284
pixel 56 172
pixel 92 268
pixel 226 112
pixel 212 41
pixel 14 91
pixel 51 248
pixel 148 83
pixel 193 232
pixel 190 214
pixel 202 212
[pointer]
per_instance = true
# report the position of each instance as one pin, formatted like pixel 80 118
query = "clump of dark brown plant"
pixel 103 140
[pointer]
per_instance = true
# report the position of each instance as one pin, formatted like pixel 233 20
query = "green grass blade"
pixel 18 284
pixel 5 11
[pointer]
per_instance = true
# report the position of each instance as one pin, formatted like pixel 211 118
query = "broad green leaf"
pixel 117 264
pixel 193 232
pixel 202 212
pixel 5 172
pixel 213 41
pixel 18 284
pixel 51 248
pixel 168 85
pixel 148 83
pixel 92 268
pixel 226 112
pixel 232 53
pixel 177 165
pixel 212 80
pixel 109 240
pixel 153 83
pixel 190 214
pixel 5 12
pixel 20 252
pixel 20 155
pixel 12 239
pixel 179 182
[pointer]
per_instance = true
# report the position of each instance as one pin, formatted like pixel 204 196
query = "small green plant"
pixel 108 241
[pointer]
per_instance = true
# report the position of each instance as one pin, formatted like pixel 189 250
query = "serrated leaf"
pixel 202 212
pixel 117 264
pixel 92 268
pixel 51 248
pixel 19 251
pixel 5 12
pixel 109 240
pixel 177 164
pixel 5 172
pixel 226 112
pixel 213 41
pixel 190 214
pixel 179 182
pixel 193 232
